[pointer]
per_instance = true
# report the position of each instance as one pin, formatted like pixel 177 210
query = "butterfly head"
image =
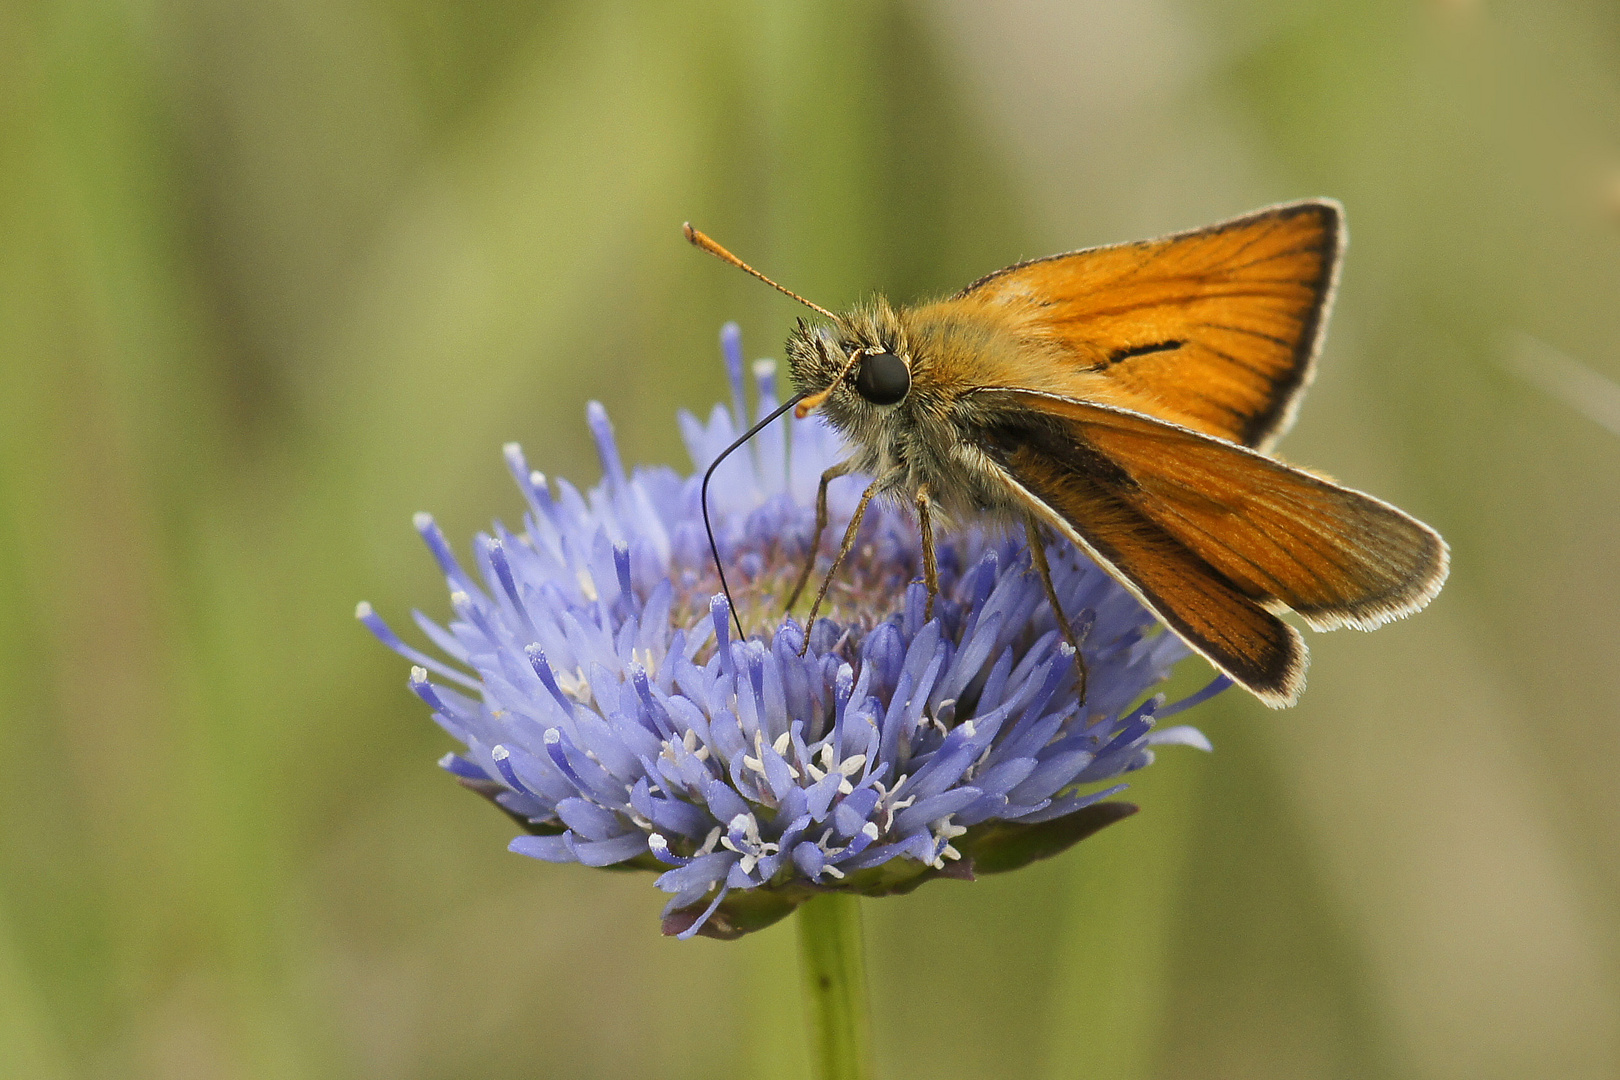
pixel 856 369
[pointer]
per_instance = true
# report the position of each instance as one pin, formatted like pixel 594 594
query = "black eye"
pixel 882 378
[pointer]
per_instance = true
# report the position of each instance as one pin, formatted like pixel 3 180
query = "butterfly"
pixel 1127 398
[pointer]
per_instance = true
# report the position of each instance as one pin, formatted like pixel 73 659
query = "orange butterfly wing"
pixel 1215 538
pixel 1215 329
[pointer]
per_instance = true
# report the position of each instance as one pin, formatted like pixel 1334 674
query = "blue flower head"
pixel 592 675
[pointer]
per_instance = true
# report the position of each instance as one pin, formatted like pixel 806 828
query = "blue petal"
pixel 724 803
pixel 590 821
pixel 546 848
pixel 702 872
pixel 925 812
pixel 608 852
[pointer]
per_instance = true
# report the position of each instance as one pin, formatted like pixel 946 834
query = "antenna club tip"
pixel 809 403
pixel 690 233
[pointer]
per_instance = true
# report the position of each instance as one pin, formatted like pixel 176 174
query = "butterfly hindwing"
pixel 1214 537
pixel 1235 632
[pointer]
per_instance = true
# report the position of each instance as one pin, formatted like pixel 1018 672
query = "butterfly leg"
pixel 1037 555
pixel 841 469
pixel 882 482
pixel 930 566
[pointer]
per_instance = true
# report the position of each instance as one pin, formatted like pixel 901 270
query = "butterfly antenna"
pixel 698 239
pixel 714 548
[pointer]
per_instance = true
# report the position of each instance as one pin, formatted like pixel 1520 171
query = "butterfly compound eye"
pixel 882 378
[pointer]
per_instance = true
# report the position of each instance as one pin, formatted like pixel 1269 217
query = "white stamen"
pixel 587 584
pixel 576 686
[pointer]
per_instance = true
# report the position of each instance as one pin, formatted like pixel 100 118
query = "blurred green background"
pixel 275 275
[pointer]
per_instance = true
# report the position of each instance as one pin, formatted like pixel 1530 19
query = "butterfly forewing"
pixel 1214 536
pixel 1335 556
pixel 1215 329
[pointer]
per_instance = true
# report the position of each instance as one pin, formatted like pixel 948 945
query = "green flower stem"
pixel 832 970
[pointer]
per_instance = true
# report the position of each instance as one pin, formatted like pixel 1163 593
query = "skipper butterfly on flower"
pixel 1127 398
